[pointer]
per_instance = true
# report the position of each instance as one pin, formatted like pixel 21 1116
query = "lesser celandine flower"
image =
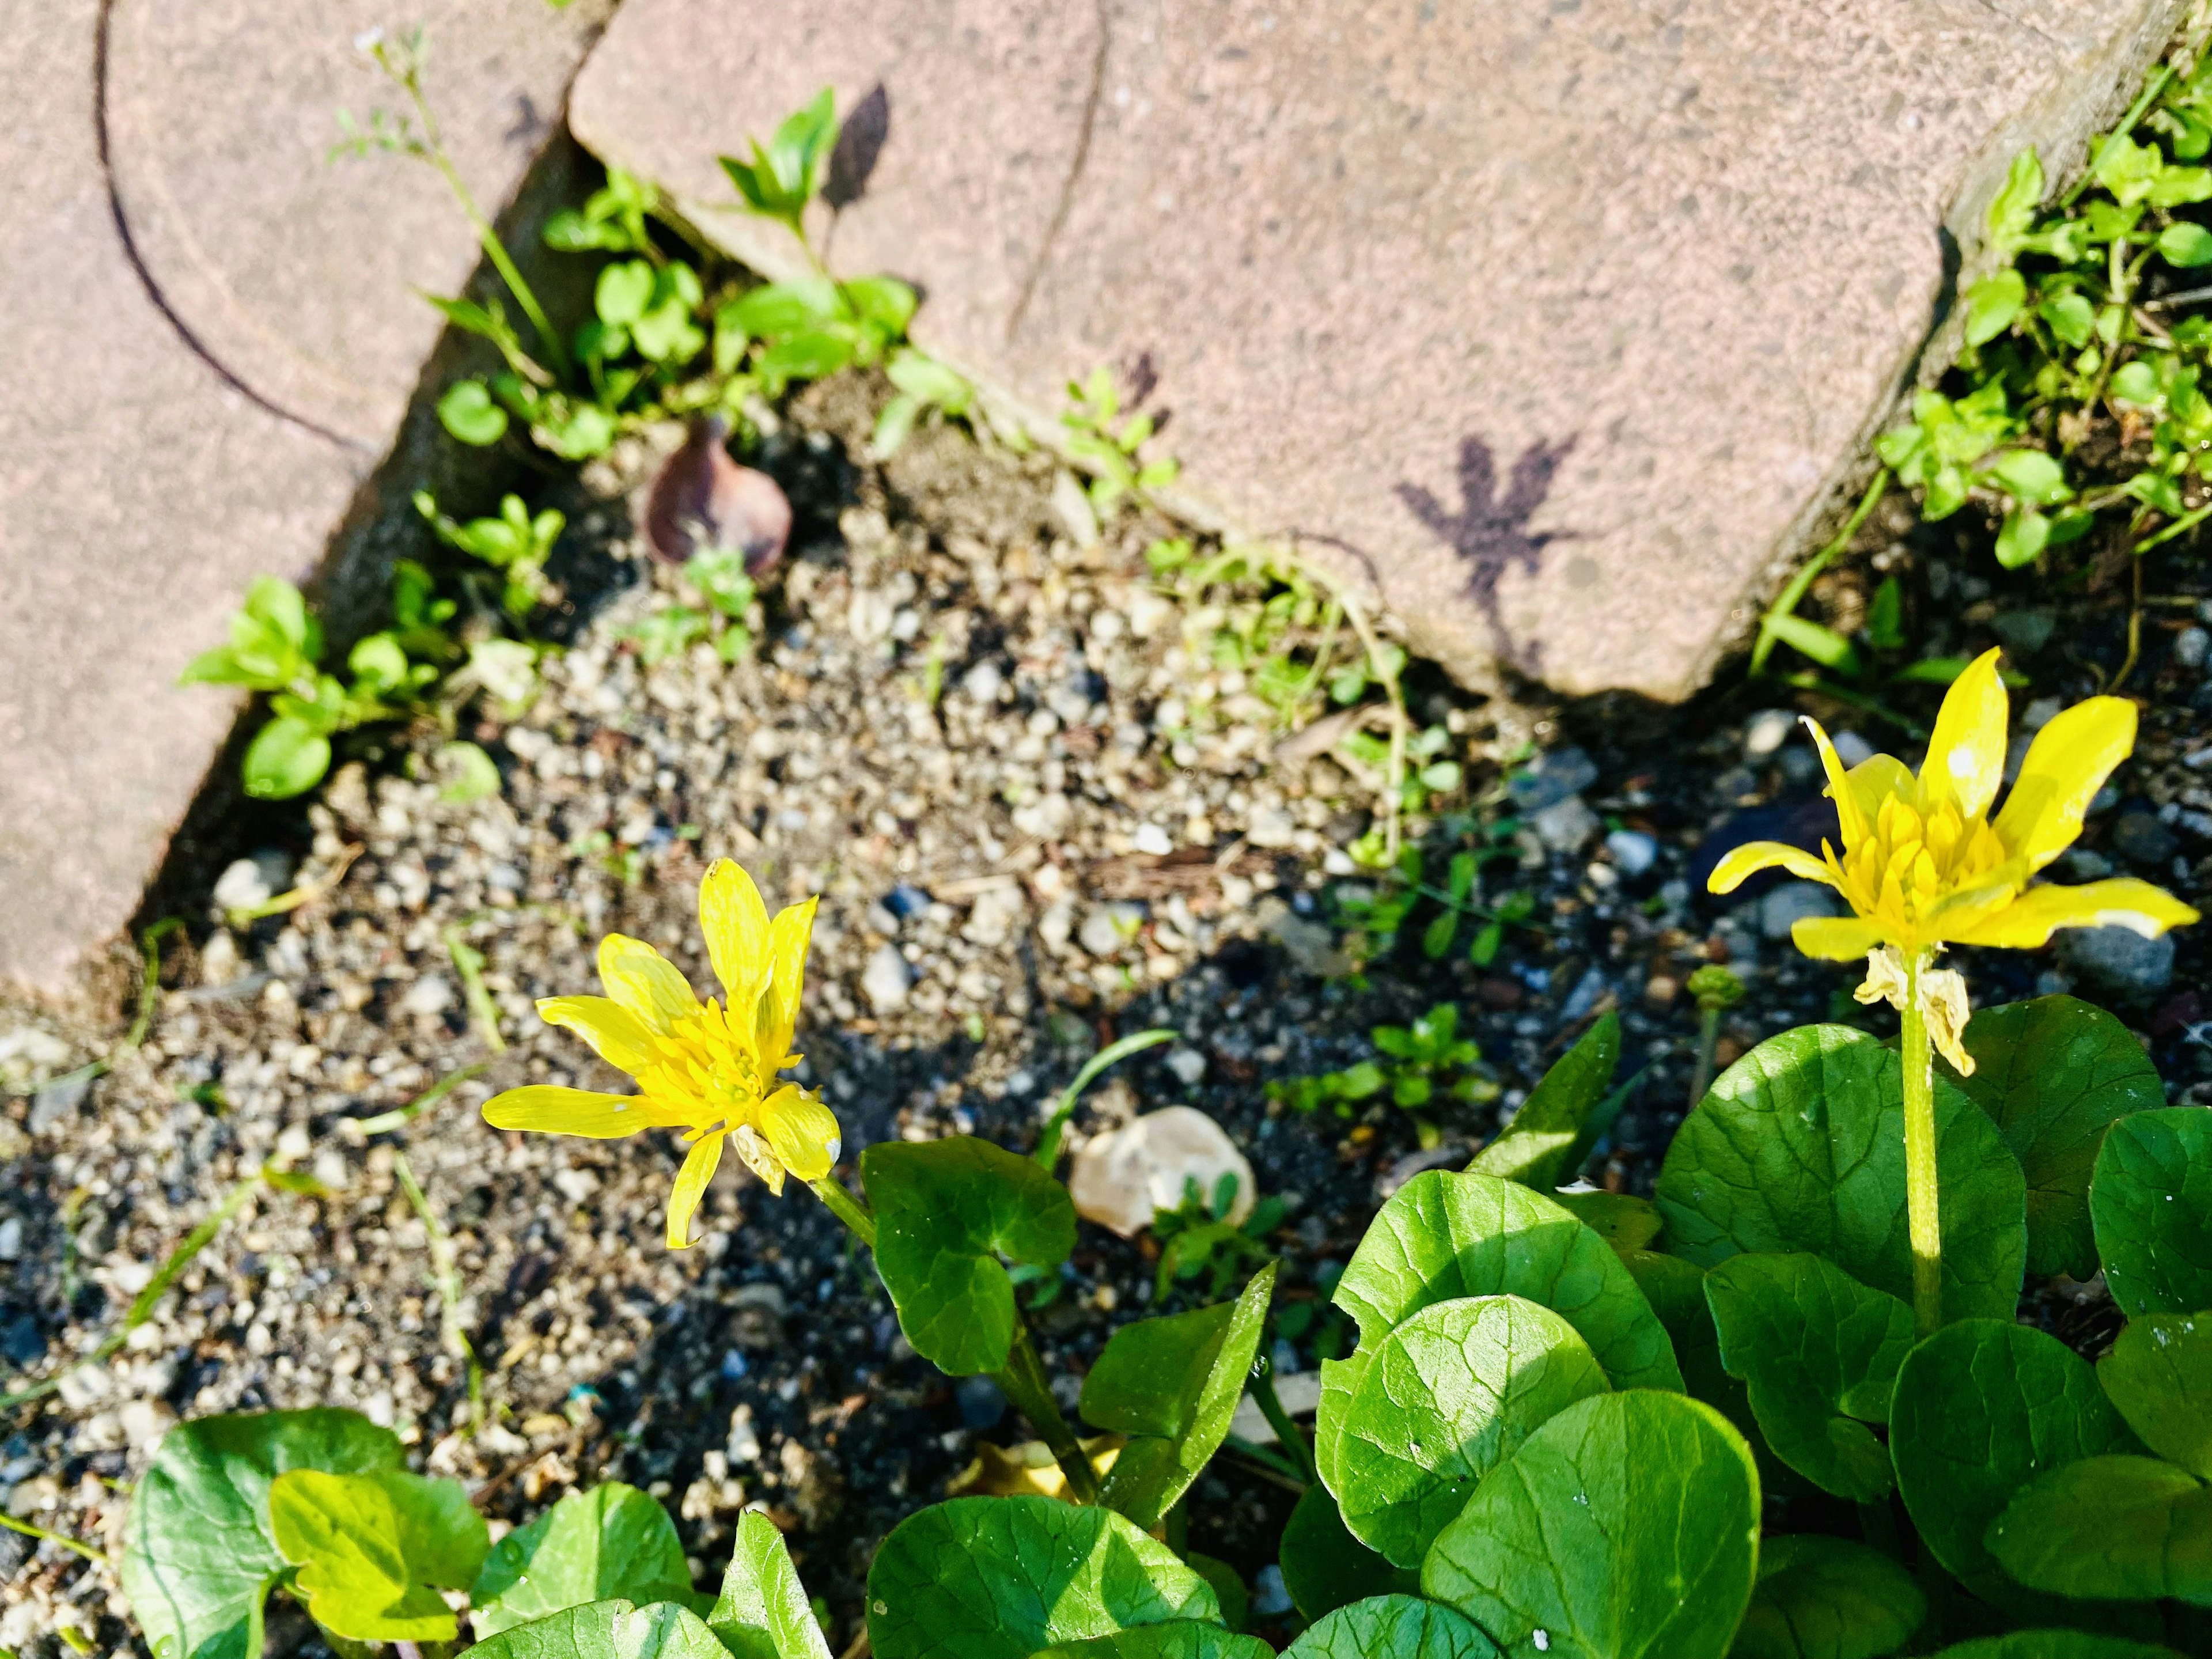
pixel 1923 865
pixel 703 1067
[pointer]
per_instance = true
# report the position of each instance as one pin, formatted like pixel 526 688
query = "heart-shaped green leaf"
pixel 1827 1598
pixel 197 1554
pixel 1179 1638
pixel 1199 1388
pixel 624 292
pixel 1627 1525
pixel 1324 1566
pixel 1392 1627
pixel 2151 1202
pixel 763 1611
pixel 287 757
pixel 1819 1352
pixel 372 1550
pixel 612 1542
pixel 1800 1146
pixel 2052 1074
pixel 2159 1374
pixel 468 413
pixel 1001 1577
pixel 946 1212
pixel 1535 1149
pixel 1451 1394
pixel 2114 1528
pixel 1981 1408
pixel 608 1629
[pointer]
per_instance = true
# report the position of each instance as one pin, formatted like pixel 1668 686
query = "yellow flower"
pixel 1923 864
pixel 705 1069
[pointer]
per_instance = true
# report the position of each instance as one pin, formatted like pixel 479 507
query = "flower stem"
pixel 846 1208
pixel 1920 1192
pixel 1024 1384
pixel 1261 1385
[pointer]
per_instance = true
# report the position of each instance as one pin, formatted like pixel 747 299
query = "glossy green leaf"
pixel 1325 1567
pixel 612 1542
pixel 1001 1577
pixel 2185 245
pixel 2053 1074
pixel 1819 1352
pixel 2022 537
pixel 1827 1598
pixel 471 774
pixel 1981 1408
pixel 2031 477
pixel 2159 1375
pixel 1442 1235
pixel 622 293
pixel 1392 1628
pixel 1627 1525
pixel 763 1611
pixel 1179 1638
pixel 2055 1644
pixel 197 1553
pixel 608 1629
pixel 1817 641
pixel 2114 1528
pixel 946 1212
pixel 374 1549
pixel 1534 1149
pixel 1992 303
pixel 1621 1220
pixel 1451 1394
pixel 468 413
pixel 1800 1145
pixel 2150 1202
pixel 287 757
pixel 1156 1467
pixel 1228 1585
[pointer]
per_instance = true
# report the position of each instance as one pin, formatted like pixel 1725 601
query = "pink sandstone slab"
pixel 213 340
pixel 1559 325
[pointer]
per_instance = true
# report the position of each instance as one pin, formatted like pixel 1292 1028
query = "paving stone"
pixel 1559 324
pixel 214 339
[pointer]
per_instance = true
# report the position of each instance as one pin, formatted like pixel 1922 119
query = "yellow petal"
pixel 614 1032
pixel 801 1132
pixel 735 922
pixel 778 1012
pixel 2066 765
pixel 691 1187
pixel 2122 902
pixel 545 1109
pixel 1753 856
pixel 1965 757
pixel 759 1157
pixel 1835 938
pixel 1851 817
pixel 644 982
pixel 1877 779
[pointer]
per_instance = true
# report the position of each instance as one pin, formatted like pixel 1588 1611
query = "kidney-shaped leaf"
pixel 1450 1395
pixel 2052 1074
pixel 946 1212
pixel 1627 1525
pixel 611 1543
pixel 1001 1577
pixel 197 1554
pixel 1179 1638
pixel 608 1629
pixel 373 1550
pixel 1324 1566
pixel 1827 1598
pixel 2113 1528
pixel 2159 1375
pixel 2151 1201
pixel 1818 1351
pixel 1981 1408
pixel 1800 1146
pixel 1392 1628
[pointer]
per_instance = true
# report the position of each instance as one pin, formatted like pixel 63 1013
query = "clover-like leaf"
pixel 608 1629
pixel 1627 1525
pixel 1179 1638
pixel 763 1611
pixel 1325 1567
pixel 1535 1149
pixel 1198 1371
pixel 198 1557
pixel 2159 1375
pixel 1819 1352
pixel 2116 1529
pixel 1827 1598
pixel 2151 1203
pixel 1800 1145
pixel 946 1212
pixel 2052 1074
pixel 1981 1408
pixel 467 411
pixel 1392 1628
pixel 1002 1578
pixel 374 1549
pixel 1449 1395
pixel 612 1542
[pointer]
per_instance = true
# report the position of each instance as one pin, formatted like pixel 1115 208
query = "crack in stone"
pixel 193 341
pixel 1066 205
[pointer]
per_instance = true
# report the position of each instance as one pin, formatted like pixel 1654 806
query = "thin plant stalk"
pixel 1920 1189
pixel 1262 1387
pixel 846 1208
pixel 1048 1150
pixel 384 1122
pixel 446 1277
pixel 63 1539
pixel 1785 603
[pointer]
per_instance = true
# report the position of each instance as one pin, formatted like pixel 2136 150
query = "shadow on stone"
pixel 1490 533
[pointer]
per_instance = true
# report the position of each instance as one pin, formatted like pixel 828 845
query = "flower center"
pixel 1911 863
pixel 705 1067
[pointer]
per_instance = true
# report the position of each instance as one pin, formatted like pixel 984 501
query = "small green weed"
pixel 1198 1237
pixel 1422 1067
pixel 1107 442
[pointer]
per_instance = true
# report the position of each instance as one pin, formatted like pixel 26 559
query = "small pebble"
pixel 2118 959
pixel 1565 826
pixel 1269 1598
pixel 2190 647
pixel 884 982
pixel 1766 732
pixel 1792 903
pixel 1632 851
pixel 1187 1065
pixel 1551 777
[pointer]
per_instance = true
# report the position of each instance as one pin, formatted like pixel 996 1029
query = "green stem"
pixel 1709 1037
pixel 46 1537
pixel 1785 603
pixel 1920 1191
pixel 846 1208
pixel 1048 1152
pixel 1024 1386
pixel 445 1280
pixel 1262 1387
